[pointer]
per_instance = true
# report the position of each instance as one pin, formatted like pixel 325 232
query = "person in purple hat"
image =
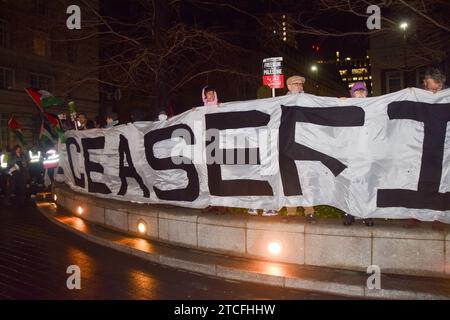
pixel 359 90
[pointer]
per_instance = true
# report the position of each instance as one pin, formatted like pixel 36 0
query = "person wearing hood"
pixel 209 96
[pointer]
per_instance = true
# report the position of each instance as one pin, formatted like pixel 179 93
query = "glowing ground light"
pixel 80 210
pixel 274 248
pixel 142 227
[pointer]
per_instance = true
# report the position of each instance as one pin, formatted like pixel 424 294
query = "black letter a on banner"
pixel 130 170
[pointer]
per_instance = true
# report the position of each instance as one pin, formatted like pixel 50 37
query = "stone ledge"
pixel 330 281
pixel 326 244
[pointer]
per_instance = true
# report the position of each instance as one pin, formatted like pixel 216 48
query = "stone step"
pixel 319 279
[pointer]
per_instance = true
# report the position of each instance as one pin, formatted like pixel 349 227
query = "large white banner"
pixel 385 157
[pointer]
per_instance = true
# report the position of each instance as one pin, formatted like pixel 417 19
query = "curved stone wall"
pixel 419 251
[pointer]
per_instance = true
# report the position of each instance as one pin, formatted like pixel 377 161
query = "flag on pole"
pixel 45 134
pixel 17 129
pixel 54 121
pixel 73 113
pixel 43 99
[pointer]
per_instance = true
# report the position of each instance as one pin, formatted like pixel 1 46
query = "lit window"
pixel 284 33
pixel 337 53
pixel 342 72
pixel 355 78
pixel 348 58
pixel 284 39
pixel 40 43
pixel 359 71
pixel 275 31
pixel 284 23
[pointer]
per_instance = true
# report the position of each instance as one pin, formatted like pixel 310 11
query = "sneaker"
pixel 348 219
pixel 253 212
pixel 268 213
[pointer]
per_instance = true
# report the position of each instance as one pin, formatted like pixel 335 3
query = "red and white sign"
pixel 273 73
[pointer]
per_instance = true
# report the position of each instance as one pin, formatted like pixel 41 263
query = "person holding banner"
pixel 295 84
pixel 358 90
pixel 434 80
pixel 209 96
pixel 84 123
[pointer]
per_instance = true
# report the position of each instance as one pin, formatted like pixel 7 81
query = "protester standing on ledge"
pixel 359 90
pixel 434 81
pixel 209 96
pixel 295 86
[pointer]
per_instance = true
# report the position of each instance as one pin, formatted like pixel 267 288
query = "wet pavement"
pixel 35 255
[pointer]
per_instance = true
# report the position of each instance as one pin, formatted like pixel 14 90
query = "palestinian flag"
pixel 43 99
pixel 17 129
pixel 54 121
pixel 45 133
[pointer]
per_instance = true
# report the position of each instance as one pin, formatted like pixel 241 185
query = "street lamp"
pixel 314 68
pixel 404 26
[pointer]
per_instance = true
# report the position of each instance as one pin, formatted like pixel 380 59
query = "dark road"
pixel 35 254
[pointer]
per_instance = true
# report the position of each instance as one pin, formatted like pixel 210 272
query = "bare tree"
pixel 156 53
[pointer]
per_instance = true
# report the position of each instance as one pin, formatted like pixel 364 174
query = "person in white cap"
pixel 295 84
